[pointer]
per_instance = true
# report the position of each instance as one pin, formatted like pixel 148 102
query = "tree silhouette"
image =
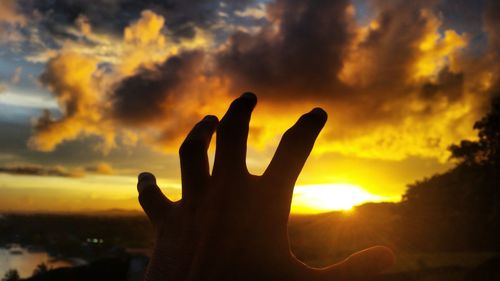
pixel 40 269
pixel 485 150
pixel 459 209
pixel 11 275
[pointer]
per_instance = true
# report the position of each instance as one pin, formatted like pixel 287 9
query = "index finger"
pixel 292 152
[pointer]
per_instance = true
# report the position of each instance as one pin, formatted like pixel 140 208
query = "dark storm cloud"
pixel 147 94
pixel 394 79
pixel 313 44
pixel 301 53
pixel 392 44
pixel 447 84
pixel 111 16
pixel 491 24
pixel 463 15
pixel 304 57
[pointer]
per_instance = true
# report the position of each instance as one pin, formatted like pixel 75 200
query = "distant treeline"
pixel 459 209
pixel 88 236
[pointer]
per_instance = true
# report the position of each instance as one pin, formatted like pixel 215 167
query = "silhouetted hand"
pixel 232 225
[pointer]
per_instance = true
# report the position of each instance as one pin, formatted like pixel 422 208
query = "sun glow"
pixel 311 199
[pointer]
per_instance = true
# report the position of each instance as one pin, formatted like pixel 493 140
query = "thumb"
pixel 360 265
pixel 152 200
pixel 368 262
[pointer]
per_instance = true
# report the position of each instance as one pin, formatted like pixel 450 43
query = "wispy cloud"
pixel 101 168
pixel 37 170
pixel 31 100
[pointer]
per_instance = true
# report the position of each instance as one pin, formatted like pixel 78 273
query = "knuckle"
pixel 225 127
pixel 290 135
pixel 233 126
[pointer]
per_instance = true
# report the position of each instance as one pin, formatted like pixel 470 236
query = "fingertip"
pixel 319 114
pixel 241 107
pixel 250 97
pixel 246 101
pixel 211 119
pixel 151 199
pixel 313 121
pixel 146 176
pixel 144 180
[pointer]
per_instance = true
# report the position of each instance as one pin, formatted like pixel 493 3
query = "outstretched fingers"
pixel 291 155
pixel 232 134
pixel 152 200
pixel 195 171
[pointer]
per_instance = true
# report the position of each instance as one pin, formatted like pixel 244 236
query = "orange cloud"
pixel 101 168
pixel 83 90
pixel 73 80
pixel 146 30
pixel 145 43
pixel 438 51
pixel 9 13
pixel 396 87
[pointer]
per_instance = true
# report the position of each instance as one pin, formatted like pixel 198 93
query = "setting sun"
pixel 317 198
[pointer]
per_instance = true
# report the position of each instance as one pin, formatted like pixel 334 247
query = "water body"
pixel 25 262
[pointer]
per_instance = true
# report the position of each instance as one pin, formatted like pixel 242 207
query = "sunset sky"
pixel 94 92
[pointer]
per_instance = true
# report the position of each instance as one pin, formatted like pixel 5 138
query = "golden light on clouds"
pixel 82 89
pixel 437 50
pixel 145 43
pixel 71 78
pixel 147 30
pixel 146 54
